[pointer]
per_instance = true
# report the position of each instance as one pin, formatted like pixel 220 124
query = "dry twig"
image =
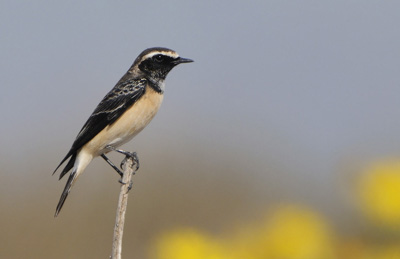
pixel 129 167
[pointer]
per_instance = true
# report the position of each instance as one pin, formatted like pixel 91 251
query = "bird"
pixel 123 112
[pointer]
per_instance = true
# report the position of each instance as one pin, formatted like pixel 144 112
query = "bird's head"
pixel 155 63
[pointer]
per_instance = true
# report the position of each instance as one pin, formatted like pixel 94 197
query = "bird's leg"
pixel 112 165
pixel 115 168
pixel 127 154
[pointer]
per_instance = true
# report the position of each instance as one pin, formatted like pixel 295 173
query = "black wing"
pixel 113 105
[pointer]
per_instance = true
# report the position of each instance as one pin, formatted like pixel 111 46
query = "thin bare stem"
pixel 129 170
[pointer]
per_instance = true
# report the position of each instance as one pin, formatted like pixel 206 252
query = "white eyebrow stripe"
pixel 172 54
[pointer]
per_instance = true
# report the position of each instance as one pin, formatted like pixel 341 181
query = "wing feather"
pixel 113 105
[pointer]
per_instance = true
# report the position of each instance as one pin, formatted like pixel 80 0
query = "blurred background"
pixel 282 140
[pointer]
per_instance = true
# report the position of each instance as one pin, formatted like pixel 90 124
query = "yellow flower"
pixel 187 244
pixel 380 192
pixel 290 232
pixel 295 233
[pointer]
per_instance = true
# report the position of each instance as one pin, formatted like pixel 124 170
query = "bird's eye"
pixel 159 58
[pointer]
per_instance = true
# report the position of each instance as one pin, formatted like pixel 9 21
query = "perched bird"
pixel 122 114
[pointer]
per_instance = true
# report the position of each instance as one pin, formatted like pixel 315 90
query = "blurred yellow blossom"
pixel 299 232
pixel 187 244
pixel 380 192
pixel 290 232
pixel 293 232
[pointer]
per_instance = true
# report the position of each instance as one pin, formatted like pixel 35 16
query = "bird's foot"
pixel 128 155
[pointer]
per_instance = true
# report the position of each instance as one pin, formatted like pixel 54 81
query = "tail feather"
pixel 70 153
pixel 68 167
pixel 78 163
pixel 67 189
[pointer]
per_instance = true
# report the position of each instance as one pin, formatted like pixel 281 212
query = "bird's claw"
pixel 128 155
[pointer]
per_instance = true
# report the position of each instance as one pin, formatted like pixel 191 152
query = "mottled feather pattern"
pixel 124 89
pixel 113 105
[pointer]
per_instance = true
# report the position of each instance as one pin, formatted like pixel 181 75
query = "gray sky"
pixel 301 84
pixel 281 95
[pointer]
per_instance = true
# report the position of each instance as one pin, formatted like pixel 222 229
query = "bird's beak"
pixel 182 60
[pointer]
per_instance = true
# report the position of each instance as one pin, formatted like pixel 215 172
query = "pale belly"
pixel 134 120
